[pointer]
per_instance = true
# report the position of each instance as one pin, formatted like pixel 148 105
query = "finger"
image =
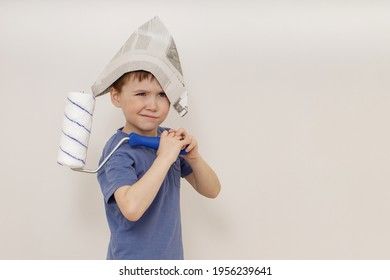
pixel 181 131
pixel 172 133
pixel 192 145
pixel 189 148
pixel 186 148
pixel 178 134
pixel 186 143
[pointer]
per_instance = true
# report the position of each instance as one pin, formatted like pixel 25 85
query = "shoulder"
pixel 114 140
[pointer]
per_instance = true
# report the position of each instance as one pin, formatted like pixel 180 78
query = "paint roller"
pixel 76 130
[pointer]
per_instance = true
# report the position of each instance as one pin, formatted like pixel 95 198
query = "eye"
pixel 141 94
pixel 162 94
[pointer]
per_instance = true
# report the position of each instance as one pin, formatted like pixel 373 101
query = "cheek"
pixel 165 106
pixel 134 105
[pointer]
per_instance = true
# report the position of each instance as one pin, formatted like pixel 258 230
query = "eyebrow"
pixel 138 90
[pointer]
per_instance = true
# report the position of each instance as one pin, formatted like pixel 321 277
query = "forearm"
pixel 203 178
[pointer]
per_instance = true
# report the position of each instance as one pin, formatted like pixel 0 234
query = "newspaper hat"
pixel 150 48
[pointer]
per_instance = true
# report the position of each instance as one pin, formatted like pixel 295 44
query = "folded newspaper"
pixel 150 48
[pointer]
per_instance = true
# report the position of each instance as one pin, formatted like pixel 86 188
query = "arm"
pixel 134 200
pixel 203 178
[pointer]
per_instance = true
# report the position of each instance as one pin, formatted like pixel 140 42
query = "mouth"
pixel 149 117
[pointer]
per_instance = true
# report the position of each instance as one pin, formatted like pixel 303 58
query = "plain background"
pixel 289 102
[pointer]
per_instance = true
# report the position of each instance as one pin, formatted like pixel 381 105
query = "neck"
pixel 128 129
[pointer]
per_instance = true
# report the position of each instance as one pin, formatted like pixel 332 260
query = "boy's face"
pixel 144 105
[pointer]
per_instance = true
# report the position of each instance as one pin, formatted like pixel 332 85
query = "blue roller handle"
pixel 147 141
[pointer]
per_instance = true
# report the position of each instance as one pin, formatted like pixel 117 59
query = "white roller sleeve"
pixel 76 129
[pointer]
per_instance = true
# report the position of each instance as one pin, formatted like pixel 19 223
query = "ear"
pixel 115 97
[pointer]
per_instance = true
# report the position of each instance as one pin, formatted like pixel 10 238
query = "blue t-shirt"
pixel 157 234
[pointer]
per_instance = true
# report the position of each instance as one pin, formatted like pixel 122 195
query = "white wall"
pixel 289 102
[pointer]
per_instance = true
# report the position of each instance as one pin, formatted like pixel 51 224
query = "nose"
pixel 151 104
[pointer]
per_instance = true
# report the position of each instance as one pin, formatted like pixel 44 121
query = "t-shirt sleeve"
pixel 119 171
pixel 185 168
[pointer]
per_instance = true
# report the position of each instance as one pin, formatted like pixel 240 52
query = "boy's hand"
pixel 192 148
pixel 171 145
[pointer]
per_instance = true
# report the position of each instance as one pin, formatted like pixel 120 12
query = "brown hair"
pixel 140 75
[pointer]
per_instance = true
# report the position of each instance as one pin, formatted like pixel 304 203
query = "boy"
pixel 141 186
